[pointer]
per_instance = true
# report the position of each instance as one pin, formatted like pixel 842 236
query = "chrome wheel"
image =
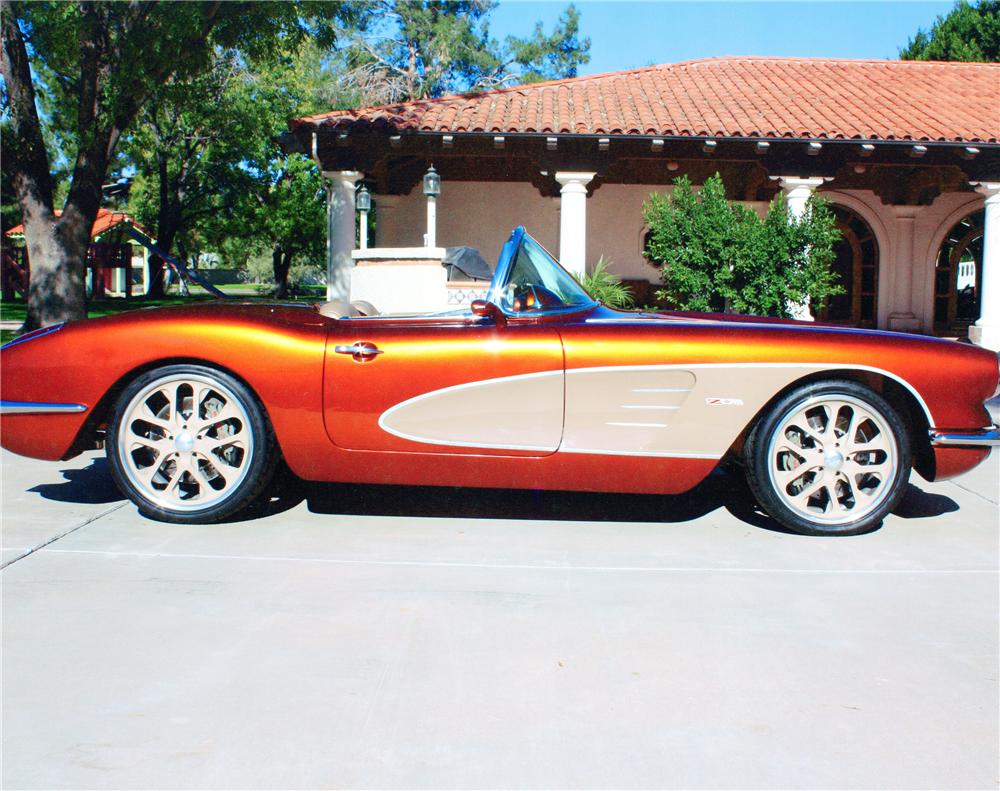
pixel 833 459
pixel 185 442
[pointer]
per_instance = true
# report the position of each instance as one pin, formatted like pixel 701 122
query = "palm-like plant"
pixel 606 288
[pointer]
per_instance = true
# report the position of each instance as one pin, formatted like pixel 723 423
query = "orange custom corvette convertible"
pixel 536 387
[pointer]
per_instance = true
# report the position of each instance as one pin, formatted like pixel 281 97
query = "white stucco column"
pixel 797 192
pixel 573 220
pixel 902 317
pixel 339 232
pixel 986 331
pixel 430 238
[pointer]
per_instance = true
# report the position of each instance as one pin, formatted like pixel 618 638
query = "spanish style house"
pixel 907 152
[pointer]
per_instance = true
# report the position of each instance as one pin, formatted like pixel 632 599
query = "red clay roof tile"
pixel 106 220
pixel 725 97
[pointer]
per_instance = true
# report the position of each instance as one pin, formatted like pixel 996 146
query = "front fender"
pixel 279 355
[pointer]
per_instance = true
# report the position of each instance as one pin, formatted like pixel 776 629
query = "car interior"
pixel 527 280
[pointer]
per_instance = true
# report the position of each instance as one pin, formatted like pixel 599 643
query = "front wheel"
pixel 829 459
pixel 188 443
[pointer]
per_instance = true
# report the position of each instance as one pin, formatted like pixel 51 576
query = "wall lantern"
pixel 432 188
pixel 363 203
pixel 364 199
pixel 432 183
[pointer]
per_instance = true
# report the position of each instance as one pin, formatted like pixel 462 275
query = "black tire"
pixel 180 461
pixel 848 481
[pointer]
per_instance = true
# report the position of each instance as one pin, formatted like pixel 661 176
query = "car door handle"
pixel 359 350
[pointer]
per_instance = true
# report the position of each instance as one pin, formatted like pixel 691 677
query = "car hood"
pixel 605 315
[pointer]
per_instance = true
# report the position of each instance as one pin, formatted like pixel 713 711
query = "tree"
pixel 185 147
pixel 10 212
pixel 969 32
pixel 210 166
pixel 294 217
pixel 424 48
pixel 715 255
pixel 284 210
pixel 97 64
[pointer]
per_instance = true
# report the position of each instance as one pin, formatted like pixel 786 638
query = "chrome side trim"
pixel 38 408
pixel 984 437
pixel 646 453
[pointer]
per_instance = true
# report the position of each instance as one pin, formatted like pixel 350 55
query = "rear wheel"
pixel 188 443
pixel 829 459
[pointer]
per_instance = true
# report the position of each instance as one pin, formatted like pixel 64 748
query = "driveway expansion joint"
pixel 65 533
pixel 973 492
pixel 513 566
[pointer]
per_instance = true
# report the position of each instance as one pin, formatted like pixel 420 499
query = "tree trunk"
pixel 154 289
pixel 181 279
pixel 57 247
pixel 281 261
pixel 56 290
pixel 166 225
pixel 56 251
pixel 157 266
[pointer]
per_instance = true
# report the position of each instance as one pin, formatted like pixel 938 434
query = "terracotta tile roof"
pixel 105 221
pixel 723 97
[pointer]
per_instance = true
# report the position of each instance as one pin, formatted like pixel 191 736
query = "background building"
pixel 908 153
pixel 116 261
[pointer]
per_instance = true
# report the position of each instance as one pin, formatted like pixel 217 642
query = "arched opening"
pixel 856 264
pixel 958 277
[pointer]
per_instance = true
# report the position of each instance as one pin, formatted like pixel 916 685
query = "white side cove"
pixel 511 413
pixel 669 411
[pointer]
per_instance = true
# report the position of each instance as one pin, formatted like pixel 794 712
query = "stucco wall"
pixel 930 224
pixel 615 229
pixel 477 214
pixel 481 214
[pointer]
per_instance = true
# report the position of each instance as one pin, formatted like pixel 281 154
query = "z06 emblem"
pixel 724 401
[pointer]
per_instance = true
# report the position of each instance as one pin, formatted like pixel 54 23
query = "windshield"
pixel 537 283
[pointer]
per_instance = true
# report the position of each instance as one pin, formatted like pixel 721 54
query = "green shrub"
pixel 719 256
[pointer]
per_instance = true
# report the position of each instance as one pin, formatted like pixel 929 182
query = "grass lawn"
pixel 15 311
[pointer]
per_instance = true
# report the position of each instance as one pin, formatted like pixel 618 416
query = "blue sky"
pixel 626 34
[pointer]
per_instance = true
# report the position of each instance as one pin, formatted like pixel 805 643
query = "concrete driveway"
pixel 376 637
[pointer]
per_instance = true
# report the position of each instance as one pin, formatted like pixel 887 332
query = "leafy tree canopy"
pixel 213 138
pixel 425 48
pixel 124 52
pixel 84 71
pixel 715 255
pixel 209 165
pixel 969 32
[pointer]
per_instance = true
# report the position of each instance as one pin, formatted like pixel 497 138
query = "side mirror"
pixel 487 310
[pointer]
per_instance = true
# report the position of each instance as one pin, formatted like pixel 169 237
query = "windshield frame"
pixel 505 268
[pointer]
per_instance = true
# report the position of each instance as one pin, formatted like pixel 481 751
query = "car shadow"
pixel 93 485
pixel 724 488
pixel 720 490
pixel 917 503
